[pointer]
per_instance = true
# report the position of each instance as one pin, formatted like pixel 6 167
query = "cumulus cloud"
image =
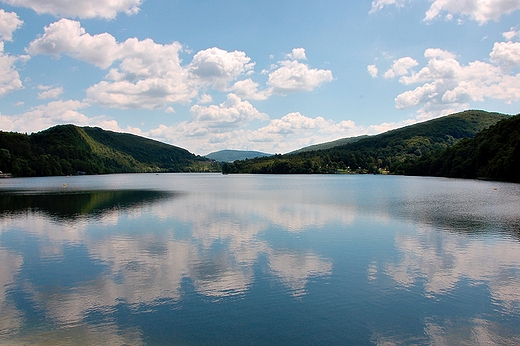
pixel 297 54
pixel 481 11
pixel 68 37
pixel 53 113
pixel 301 131
pixel 372 70
pixel 400 67
pixel 80 9
pixel 293 122
pixel 230 113
pixel 292 76
pixel 9 22
pixel 218 67
pixel 144 74
pixel 249 89
pixel 445 85
pixel 285 77
pixel 212 128
pixel 149 75
pixel 506 54
pixel 9 76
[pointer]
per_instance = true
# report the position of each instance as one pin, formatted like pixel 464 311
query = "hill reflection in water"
pixel 71 205
pixel 211 259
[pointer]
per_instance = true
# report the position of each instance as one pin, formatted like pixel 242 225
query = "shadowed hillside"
pixel 328 145
pixel 68 149
pixel 382 153
pixel 493 154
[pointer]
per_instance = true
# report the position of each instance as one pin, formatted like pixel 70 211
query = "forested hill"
pixel 386 152
pixel 492 154
pixel 328 145
pixel 69 149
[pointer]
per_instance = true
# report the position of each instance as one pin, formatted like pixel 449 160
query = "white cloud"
pixel 300 131
pixel 53 113
pixel 420 94
pixel 297 54
pixel 231 113
pixel 481 11
pixel 9 22
pixel 447 86
pixel 9 76
pixel 248 89
pixel 212 129
pixel 149 93
pixel 511 34
pixel 380 4
pixel 205 98
pixel 294 76
pixel 81 9
pixel 400 67
pixel 217 67
pixel 68 37
pixel 150 75
pixel 49 93
pixel 372 70
pixel 293 122
pixel 506 54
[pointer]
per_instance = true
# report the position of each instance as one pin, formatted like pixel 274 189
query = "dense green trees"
pixel 439 147
pixel 390 152
pixel 493 154
pixel 68 149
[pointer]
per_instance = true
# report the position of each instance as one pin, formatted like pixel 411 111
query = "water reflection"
pixel 75 256
pixel 111 265
pixel 452 268
pixel 64 205
pixel 475 331
pixel 440 261
pixel 10 318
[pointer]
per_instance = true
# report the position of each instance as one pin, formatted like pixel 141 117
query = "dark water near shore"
pixel 207 259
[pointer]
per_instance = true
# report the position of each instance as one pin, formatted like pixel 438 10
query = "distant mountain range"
pixel 69 149
pixel 233 155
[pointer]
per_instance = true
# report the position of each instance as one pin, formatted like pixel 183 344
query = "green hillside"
pixel 233 155
pixel 384 153
pixel 68 149
pixel 492 154
pixel 328 145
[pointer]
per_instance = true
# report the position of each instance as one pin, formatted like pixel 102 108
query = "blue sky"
pixel 272 76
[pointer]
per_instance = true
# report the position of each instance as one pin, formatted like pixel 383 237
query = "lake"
pixel 209 259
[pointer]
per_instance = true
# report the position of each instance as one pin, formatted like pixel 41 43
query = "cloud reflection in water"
pixel 139 248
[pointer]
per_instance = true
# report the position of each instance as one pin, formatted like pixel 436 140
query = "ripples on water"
pixel 212 259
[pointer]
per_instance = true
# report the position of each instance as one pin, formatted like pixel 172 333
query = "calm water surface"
pixel 207 259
